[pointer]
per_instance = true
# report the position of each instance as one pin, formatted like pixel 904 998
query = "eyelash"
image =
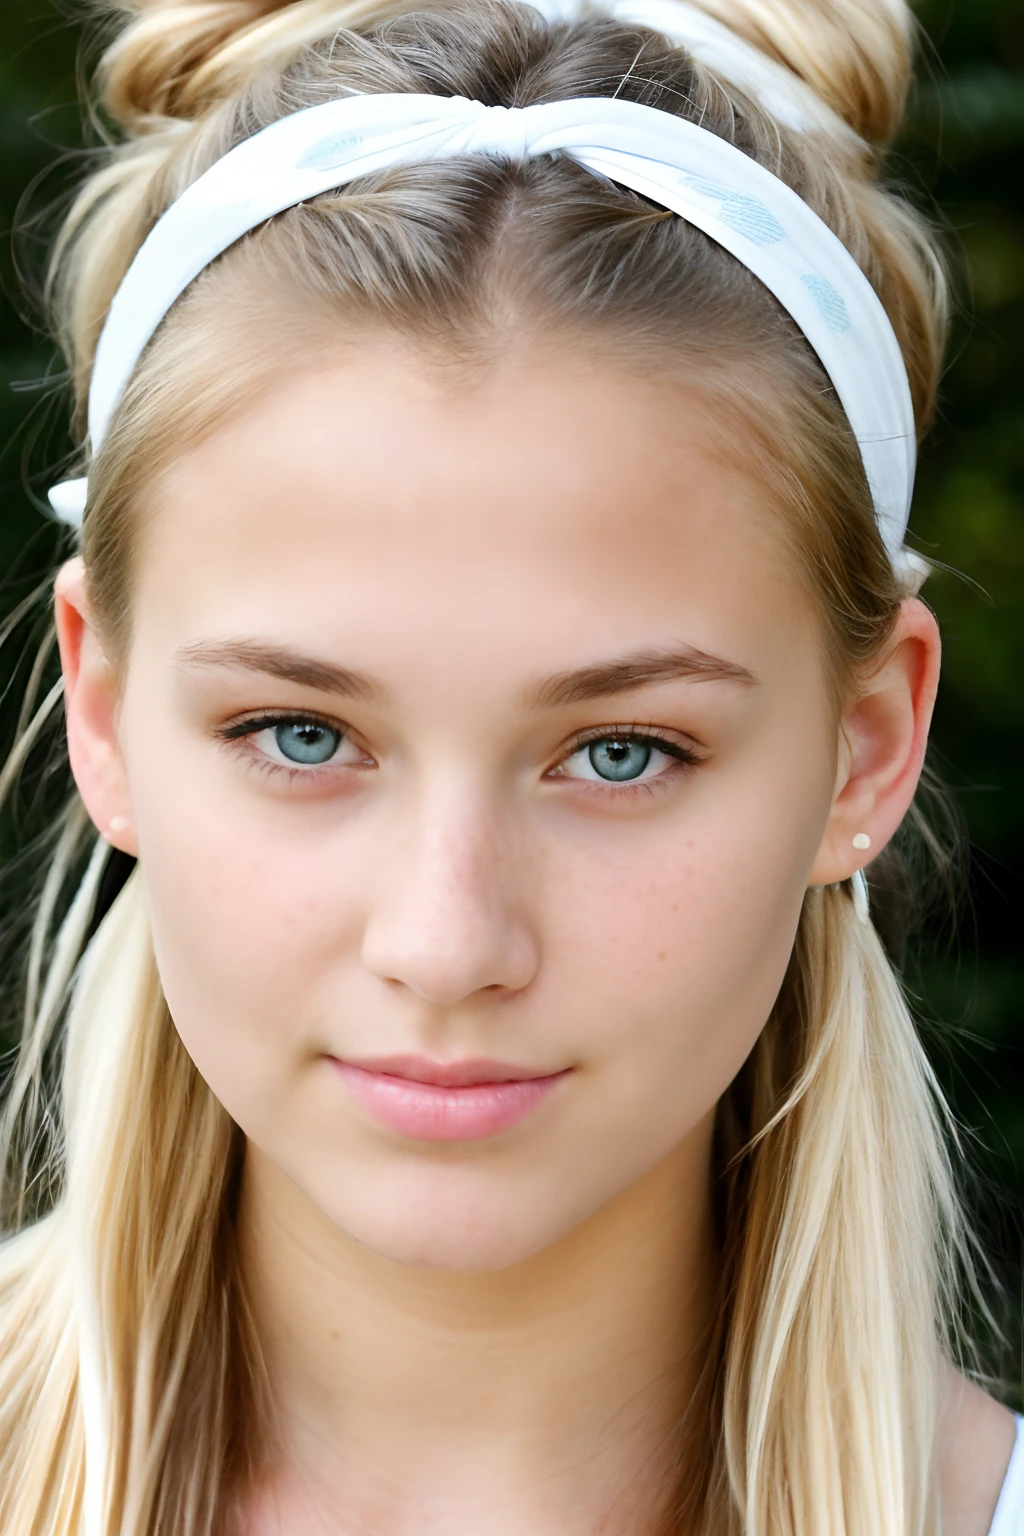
pixel 686 758
pixel 258 762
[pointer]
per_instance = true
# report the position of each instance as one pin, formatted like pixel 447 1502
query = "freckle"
pixel 335 1334
pixel 661 954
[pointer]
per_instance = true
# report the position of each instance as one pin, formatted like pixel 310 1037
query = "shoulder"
pixel 976 1438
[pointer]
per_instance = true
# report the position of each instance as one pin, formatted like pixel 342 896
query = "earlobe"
pixel 884 736
pixel 90 706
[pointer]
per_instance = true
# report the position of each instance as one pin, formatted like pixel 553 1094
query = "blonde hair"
pixel 130 1387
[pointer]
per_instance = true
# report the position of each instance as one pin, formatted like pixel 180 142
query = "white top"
pixel 1009 1516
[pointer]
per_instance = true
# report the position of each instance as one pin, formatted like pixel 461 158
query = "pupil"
pixel 619 758
pixel 306 742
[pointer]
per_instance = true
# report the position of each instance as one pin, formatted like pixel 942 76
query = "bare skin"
pixel 503 1412
pixel 466 585
pixel 975 1441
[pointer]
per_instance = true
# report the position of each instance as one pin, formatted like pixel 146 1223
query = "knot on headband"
pixel 497 131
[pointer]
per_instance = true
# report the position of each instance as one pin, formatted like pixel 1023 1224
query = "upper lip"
pixel 468 1073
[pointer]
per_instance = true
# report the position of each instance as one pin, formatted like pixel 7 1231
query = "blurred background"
pixel 961 159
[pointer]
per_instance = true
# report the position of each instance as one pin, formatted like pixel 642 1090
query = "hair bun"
pixel 855 54
pixel 177 58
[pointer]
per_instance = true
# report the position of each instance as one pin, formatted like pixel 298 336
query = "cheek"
pixel 244 930
pixel 668 964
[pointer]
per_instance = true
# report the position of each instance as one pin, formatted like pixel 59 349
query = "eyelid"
pixel 681 740
pixel 683 753
pixel 676 744
pixel 238 735
pixel 248 725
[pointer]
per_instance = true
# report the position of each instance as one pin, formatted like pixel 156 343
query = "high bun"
pixel 178 58
pixel 856 56
pixel 838 1269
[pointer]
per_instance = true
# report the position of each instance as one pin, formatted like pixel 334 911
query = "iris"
pixel 304 741
pixel 619 757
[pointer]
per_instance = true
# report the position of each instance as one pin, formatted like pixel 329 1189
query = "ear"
pixel 91 694
pixel 884 733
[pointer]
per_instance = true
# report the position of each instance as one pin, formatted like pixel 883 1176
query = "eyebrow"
pixel 279 661
pixel 597 680
pixel 601 679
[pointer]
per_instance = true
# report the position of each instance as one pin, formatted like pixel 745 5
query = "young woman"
pixel 488 1107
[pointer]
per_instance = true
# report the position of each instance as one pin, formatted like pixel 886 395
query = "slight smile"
pixel 445 1101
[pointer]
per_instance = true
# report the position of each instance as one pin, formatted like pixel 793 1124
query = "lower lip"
pixel 427 1112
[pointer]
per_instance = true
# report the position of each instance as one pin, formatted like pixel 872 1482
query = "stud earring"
pixel 861 840
pixel 118 824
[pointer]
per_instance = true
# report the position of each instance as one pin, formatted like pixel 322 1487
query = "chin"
pixel 448 1231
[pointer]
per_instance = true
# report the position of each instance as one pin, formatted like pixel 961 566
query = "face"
pixel 479 748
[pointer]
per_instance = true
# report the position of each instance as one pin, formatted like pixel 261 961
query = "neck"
pixel 546 1396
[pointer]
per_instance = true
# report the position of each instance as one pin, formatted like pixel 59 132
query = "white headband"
pixel 671 161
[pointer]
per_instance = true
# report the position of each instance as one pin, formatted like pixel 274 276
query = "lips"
pixel 445 1101
pixel 447 1074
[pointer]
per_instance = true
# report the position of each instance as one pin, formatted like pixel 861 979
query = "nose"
pixel 449 916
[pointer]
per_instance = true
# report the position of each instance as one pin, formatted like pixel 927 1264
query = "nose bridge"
pixel 451 915
pixel 456 872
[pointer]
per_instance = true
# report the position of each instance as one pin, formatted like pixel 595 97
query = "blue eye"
pixel 306 742
pixel 619 758
pixel 626 758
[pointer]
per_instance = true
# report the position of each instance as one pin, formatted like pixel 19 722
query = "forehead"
pixel 543 497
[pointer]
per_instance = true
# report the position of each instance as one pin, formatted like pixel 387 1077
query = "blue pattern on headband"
pixel 329 152
pixel 741 212
pixel 829 300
